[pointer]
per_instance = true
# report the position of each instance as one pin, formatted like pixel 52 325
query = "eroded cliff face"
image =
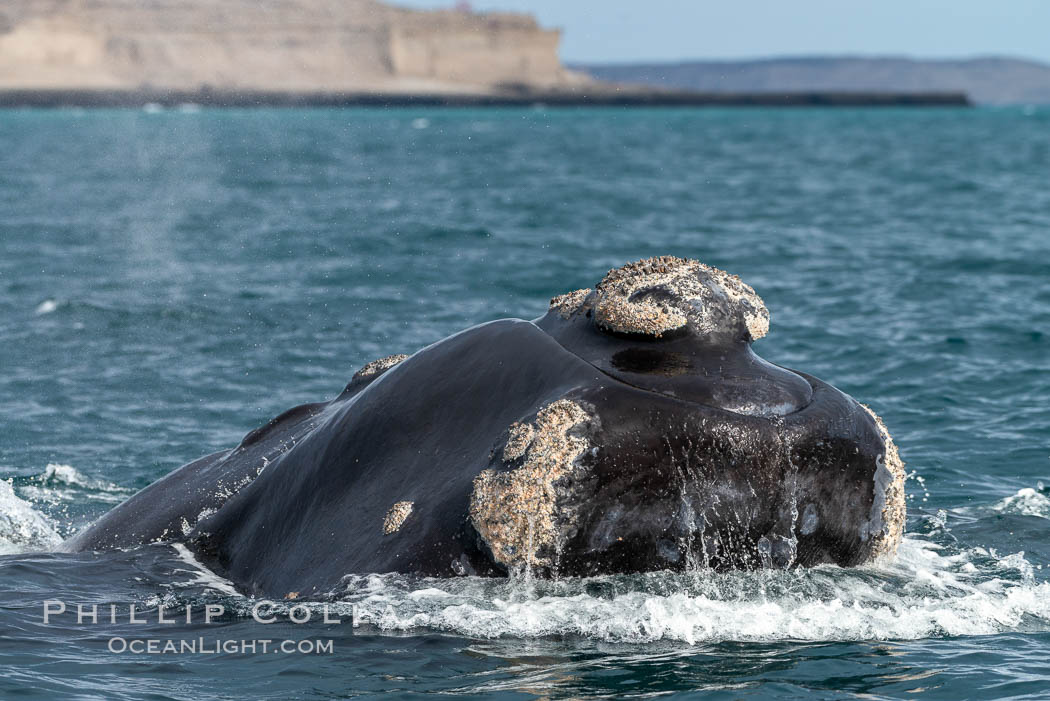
pixel 278 45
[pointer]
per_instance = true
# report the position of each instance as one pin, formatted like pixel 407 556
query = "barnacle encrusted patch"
pixel 888 507
pixel 518 441
pixel 396 516
pixel 658 295
pixel 569 302
pixel 377 366
pixel 517 512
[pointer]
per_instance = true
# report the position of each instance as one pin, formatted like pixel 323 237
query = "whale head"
pixel 686 448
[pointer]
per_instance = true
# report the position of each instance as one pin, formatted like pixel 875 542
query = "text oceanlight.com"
pixel 204 646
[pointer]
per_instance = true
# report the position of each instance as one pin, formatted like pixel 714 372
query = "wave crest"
pixel 23 528
pixel 923 593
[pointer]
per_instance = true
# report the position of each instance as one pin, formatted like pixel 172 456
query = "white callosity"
pixel 377 366
pixel 396 516
pixel 517 512
pixel 886 522
pixel 659 295
pixel 570 302
pixel 518 441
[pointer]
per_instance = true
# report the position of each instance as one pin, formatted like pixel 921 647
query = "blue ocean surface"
pixel 170 280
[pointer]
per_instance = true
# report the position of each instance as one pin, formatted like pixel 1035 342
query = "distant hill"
pixel 985 80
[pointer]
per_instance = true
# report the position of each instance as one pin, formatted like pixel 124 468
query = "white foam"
pixel 923 593
pixel 23 528
pixel 46 307
pixel 1026 502
pixel 60 483
pixel 58 473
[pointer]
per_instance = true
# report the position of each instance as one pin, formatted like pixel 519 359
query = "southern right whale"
pixel 631 428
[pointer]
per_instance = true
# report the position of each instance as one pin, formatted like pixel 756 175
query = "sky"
pixel 666 30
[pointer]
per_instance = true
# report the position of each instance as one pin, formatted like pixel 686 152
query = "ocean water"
pixel 170 280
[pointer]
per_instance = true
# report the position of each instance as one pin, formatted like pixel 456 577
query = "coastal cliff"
pixel 317 52
pixel 322 46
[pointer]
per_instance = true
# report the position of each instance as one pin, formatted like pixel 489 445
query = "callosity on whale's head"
pixel 681 328
pixel 694 451
pixel 631 428
pixel 665 296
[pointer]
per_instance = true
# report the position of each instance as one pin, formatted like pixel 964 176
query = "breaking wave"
pixel 56 474
pixel 1026 502
pixel 925 592
pixel 23 528
pixel 35 511
pixel 61 485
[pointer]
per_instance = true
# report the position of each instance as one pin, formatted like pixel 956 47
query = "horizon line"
pixel 808 56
